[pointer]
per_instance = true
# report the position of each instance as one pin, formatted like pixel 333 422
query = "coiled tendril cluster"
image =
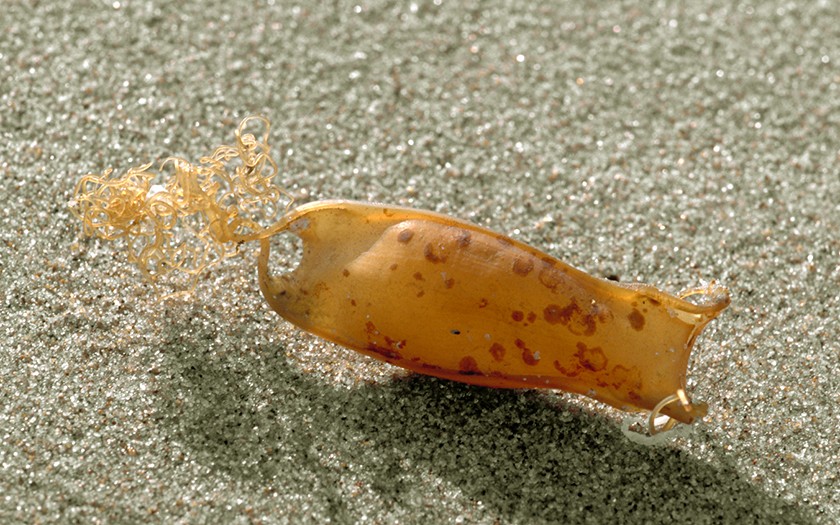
pixel 193 218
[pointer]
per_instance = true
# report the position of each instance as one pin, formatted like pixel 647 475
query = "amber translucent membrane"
pixel 713 299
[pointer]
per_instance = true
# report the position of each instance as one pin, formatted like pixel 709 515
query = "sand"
pixel 668 145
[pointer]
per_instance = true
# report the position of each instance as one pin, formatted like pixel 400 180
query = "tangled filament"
pixel 194 218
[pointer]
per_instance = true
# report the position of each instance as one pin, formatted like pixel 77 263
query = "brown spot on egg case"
pixel 393 343
pixel 567 372
pixel 387 348
pixel 517 316
pixel 468 366
pixel 626 378
pixel 619 375
pixel 529 357
pixel 586 327
pixel 550 277
pixel 522 266
pixel 497 351
pixel 434 254
pixel 554 314
pixel 405 236
pixel 388 353
pixel 572 317
pixel 449 283
pixel 370 328
pixel 591 358
pixel 637 320
pixel 463 238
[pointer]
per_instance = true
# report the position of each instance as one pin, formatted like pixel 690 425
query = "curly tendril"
pixel 193 218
